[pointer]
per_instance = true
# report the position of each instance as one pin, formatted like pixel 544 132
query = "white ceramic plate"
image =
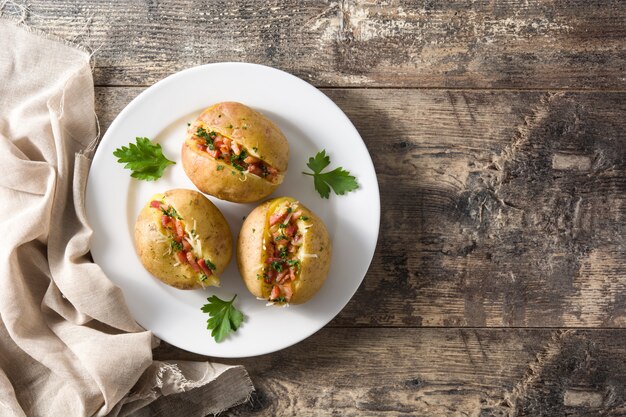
pixel 311 122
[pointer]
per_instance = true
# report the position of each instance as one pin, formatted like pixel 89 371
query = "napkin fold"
pixel 68 344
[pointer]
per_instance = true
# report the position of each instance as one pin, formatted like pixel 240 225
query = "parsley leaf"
pixel 338 179
pixel 319 161
pixel 144 159
pixel 223 317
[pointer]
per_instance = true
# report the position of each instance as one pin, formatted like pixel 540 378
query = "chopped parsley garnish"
pixel 220 167
pixel 280 299
pixel 210 264
pixel 177 246
pixel 283 253
pixel 282 226
pixel 207 136
pixel 238 160
pixel 171 212
pixel 203 277
pixel 294 262
pixel 305 218
pixel 338 179
pixel 255 149
pixel 223 317
pixel 289 210
pixel 277 265
pixel 280 237
pixel 144 158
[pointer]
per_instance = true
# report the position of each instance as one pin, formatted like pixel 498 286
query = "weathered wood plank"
pixel 498 208
pixel 576 44
pixel 439 372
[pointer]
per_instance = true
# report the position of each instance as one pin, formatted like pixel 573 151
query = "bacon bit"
pixel 180 231
pixel 297 239
pixel 192 261
pixel 275 293
pixel 254 169
pixel 186 245
pixel 270 260
pixel 282 276
pixel 202 147
pixel 155 204
pixel 214 153
pixel 204 267
pixel 236 149
pixel 182 257
pixel 227 142
pixel 165 220
pixel 290 230
pixel 277 217
pixel 287 291
pixel 252 160
pixel 272 274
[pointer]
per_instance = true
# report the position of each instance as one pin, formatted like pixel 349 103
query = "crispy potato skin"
pixel 211 227
pixel 314 271
pixel 260 136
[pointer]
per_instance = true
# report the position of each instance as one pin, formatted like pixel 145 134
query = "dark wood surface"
pixel 497 130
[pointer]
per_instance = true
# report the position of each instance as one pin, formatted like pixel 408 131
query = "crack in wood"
pixel 550 351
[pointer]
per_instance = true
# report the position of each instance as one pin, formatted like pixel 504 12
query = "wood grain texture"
pixel 576 44
pixel 498 208
pixel 439 372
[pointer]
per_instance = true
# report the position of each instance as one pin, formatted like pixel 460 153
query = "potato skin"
pixel 211 227
pixel 314 271
pixel 260 136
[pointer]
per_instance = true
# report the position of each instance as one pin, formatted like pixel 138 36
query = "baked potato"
pixel 235 153
pixel 283 252
pixel 183 239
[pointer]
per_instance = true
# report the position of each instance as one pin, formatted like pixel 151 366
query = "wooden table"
pixel 497 129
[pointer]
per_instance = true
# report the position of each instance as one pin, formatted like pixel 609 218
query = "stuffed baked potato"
pixel 235 153
pixel 283 252
pixel 183 239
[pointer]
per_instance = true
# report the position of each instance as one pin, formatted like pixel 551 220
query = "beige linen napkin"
pixel 68 344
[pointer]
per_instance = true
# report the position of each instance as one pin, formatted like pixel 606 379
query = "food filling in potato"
pixel 233 154
pixel 282 243
pixel 184 244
